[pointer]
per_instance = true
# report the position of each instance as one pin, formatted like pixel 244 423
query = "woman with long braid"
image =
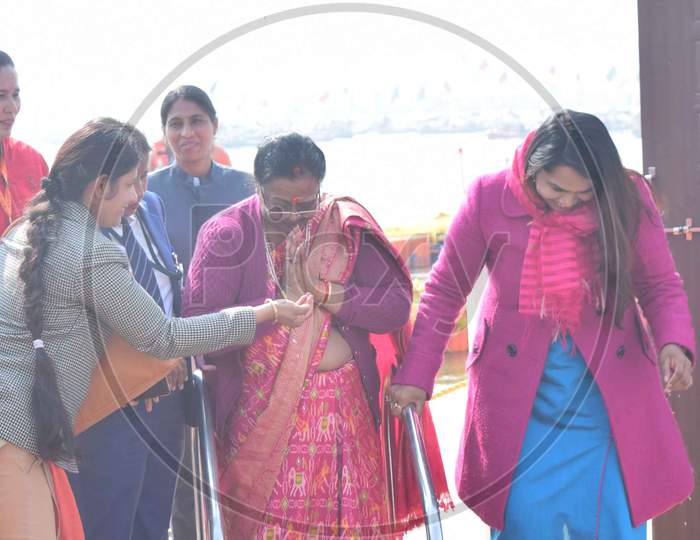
pixel 64 290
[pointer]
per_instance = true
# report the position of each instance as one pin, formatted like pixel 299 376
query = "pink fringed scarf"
pixel 562 259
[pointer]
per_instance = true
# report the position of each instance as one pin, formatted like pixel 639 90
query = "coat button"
pixel 620 351
pixel 475 349
pixel 512 350
pixel 599 312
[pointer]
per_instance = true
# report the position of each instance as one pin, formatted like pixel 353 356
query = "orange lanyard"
pixel 5 195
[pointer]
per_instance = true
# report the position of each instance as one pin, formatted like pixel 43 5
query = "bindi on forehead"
pixel 294 200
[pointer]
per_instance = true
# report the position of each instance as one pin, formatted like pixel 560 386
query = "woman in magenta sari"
pixel 297 412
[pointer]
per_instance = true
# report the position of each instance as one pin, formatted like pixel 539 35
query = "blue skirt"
pixel 568 484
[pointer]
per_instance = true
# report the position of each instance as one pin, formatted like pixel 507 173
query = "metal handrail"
pixel 431 510
pixel 208 510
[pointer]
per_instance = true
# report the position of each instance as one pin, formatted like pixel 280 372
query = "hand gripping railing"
pixel 431 510
pixel 204 470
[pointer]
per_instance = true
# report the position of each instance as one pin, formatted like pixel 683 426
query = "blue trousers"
pixel 128 466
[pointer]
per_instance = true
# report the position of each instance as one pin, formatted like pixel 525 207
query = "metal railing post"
pixel 205 471
pixel 431 510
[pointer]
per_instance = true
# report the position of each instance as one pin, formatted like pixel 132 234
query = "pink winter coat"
pixel 509 351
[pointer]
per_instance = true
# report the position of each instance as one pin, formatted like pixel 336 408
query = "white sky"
pixel 78 59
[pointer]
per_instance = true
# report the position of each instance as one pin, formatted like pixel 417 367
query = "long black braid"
pixel 103 147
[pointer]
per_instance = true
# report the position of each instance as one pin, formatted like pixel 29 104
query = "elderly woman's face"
pixel 289 202
pixel 9 100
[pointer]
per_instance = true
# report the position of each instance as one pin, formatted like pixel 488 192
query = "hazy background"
pixel 390 101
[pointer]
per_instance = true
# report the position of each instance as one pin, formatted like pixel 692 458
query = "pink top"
pixel 509 350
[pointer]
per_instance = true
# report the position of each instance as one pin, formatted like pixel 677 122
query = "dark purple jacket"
pixel 229 269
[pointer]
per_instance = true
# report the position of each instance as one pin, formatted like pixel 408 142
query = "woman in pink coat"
pixel 568 433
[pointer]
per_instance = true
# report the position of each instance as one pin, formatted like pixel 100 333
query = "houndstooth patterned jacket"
pixel 89 293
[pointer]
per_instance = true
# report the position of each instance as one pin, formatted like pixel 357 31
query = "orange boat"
pixel 420 246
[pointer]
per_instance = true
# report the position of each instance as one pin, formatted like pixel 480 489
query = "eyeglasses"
pixel 282 209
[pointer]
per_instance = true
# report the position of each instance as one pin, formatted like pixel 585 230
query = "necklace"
pixel 271 269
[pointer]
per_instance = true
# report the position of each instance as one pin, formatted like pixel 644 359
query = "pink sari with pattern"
pixel 301 457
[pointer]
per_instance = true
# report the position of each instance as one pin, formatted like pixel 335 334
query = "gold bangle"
pixel 275 313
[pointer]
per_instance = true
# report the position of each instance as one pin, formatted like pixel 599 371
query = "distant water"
pixel 409 178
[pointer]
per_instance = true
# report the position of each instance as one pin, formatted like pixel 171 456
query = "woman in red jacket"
pixel 21 167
